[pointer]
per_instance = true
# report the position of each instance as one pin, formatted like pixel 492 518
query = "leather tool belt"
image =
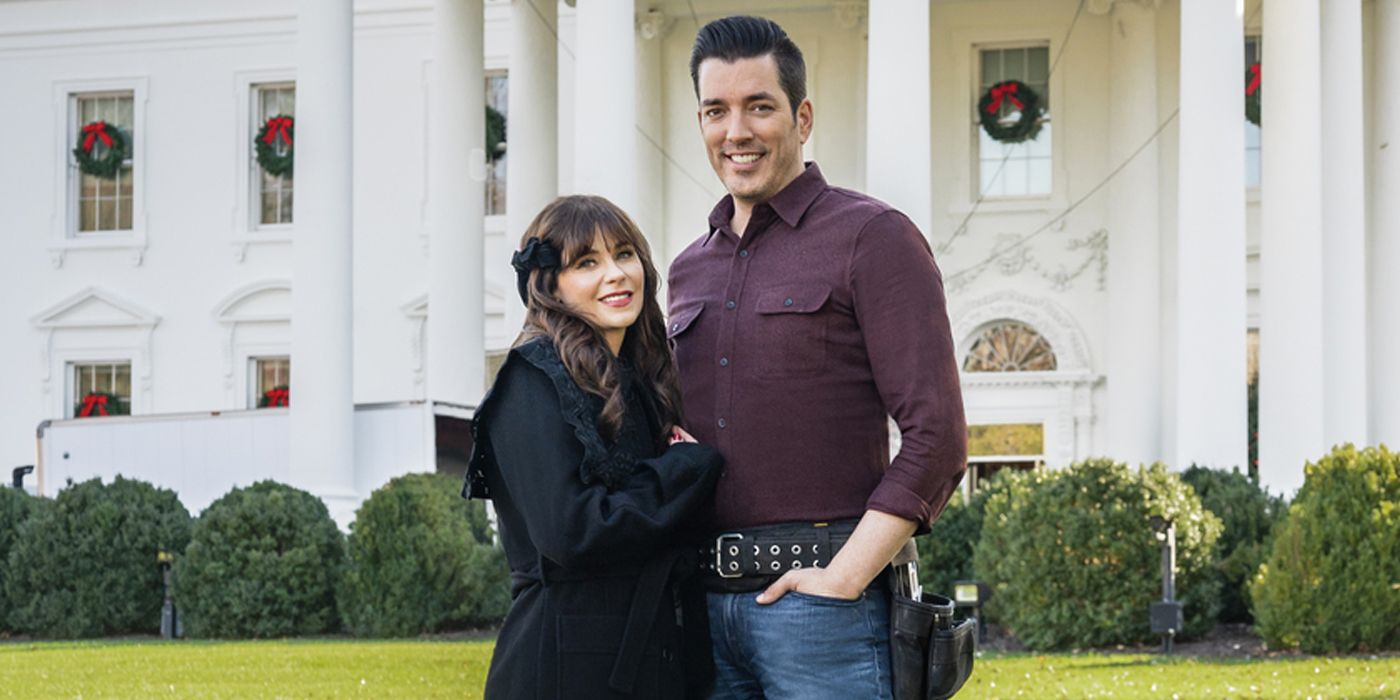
pixel 772 550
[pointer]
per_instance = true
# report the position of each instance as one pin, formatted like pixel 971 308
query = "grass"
pixel 455 669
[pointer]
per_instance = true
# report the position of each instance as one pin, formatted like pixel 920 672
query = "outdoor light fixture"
pixel 171 626
pixel 1166 614
pixel 18 474
pixel 973 594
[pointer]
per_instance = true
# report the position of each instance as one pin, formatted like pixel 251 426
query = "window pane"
pixel 105 204
pixel 1024 169
pixel 274 191
pixel 498 98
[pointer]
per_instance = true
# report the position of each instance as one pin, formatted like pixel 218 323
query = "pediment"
pixel 95 308
pixel 494 304
pixel 263 301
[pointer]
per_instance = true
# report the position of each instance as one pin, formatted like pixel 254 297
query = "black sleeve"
pixel 583 525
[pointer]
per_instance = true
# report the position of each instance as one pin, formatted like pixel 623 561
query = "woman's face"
pixel 605 285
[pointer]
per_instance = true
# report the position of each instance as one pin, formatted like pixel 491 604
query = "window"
pixel 1253 52
pixel 992 448
pixel 101 388
pixel 272 382
pixel 497 92
pixel 104 204
pixel 1019 169
pixel 1010 346
pixel 274 201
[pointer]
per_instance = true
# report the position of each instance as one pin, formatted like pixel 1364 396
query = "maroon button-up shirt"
pixel 796 340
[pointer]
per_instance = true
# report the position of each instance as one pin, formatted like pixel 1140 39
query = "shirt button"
pixel 786 302
pixel 723 362
pixel 723 423
pixel 730 304
pixel 743 253
pixel 674 327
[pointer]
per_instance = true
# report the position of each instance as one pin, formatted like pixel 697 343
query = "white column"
pixel 532 151
pixel 652 27
pixel 1290 249
pixel 322 407
pixel 899 141
pixel 1210 285
pixel 1134 357
pixel 1385 228
pixel 1343 225
pixel 456 205
pixel 605 89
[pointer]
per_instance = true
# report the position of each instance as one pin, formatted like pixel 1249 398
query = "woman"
pixel 578 444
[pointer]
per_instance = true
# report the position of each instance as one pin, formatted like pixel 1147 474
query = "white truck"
pixel 202 456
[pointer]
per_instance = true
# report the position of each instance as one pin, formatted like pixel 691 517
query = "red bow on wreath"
pixel 277 127
pixel 91 401
pixel 278 397
pixel 1005 91
pixel 1254 80
pixel 94 131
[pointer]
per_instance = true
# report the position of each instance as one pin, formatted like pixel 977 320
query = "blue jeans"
pixel 801 647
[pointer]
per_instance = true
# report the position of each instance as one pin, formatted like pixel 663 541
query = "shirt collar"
pixel 789 204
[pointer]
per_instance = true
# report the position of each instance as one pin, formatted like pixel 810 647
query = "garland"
pixel 275 158
pixel 1252 81
pixel 495 134
pixel 103 163
pixel 1021 97
pixel 275 397
pixel 100 403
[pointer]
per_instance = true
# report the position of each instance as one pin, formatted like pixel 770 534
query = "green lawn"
pixel 455 669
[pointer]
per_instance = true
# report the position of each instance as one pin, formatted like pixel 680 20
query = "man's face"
pixel 753 139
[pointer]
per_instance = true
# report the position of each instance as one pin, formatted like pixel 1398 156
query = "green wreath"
pixel 1007 96
pixel 100 403
pixel 274 145
pixel 101 149
pixel 1251 94
pixel 495 133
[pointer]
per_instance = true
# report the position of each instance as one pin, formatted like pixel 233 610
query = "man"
pixel 803 317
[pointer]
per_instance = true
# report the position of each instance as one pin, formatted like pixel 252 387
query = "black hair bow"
pixel 535 254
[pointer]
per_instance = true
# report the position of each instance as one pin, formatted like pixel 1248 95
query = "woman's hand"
pixel 678 434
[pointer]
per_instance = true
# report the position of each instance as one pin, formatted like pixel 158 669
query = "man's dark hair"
pixel 732 38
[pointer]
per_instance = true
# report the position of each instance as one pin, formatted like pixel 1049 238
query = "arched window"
pixel 1010 346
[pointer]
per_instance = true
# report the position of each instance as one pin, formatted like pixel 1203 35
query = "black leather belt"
pixel 771 550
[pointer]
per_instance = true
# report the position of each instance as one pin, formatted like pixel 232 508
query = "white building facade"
pixel 1111 282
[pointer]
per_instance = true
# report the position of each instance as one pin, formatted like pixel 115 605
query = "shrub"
pixel 1073 561
pixel 1249 514
pixel 264 561
pixel 946 552
pixel 1332 580
pixel 421 560
pixel 85 565
pixel 16 506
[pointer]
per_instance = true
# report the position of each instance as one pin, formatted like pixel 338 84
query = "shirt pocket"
pixel 792 329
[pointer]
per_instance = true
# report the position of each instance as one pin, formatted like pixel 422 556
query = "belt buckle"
pixel 719 554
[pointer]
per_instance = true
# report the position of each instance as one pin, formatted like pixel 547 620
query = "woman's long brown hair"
pixel 571 224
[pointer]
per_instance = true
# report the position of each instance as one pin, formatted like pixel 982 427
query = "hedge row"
pixel 262 561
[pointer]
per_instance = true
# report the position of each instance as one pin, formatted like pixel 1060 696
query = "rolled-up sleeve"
pixel 903 316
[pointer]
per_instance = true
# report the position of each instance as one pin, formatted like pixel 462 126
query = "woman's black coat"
pixel 605 604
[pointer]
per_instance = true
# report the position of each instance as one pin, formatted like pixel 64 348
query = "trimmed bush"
pixel 16 506
pixel 264 561
pixel 1332 580
pixel 1249 514
pixel 85 565
pixel 1074 563
pixel 421 560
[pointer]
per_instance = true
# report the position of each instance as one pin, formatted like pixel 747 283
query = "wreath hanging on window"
pixel 101 149
pixel 1010 97
pixel 495 133
pixel 275 397
pixel 274 145
pixel 1252 82
pixel 100 403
